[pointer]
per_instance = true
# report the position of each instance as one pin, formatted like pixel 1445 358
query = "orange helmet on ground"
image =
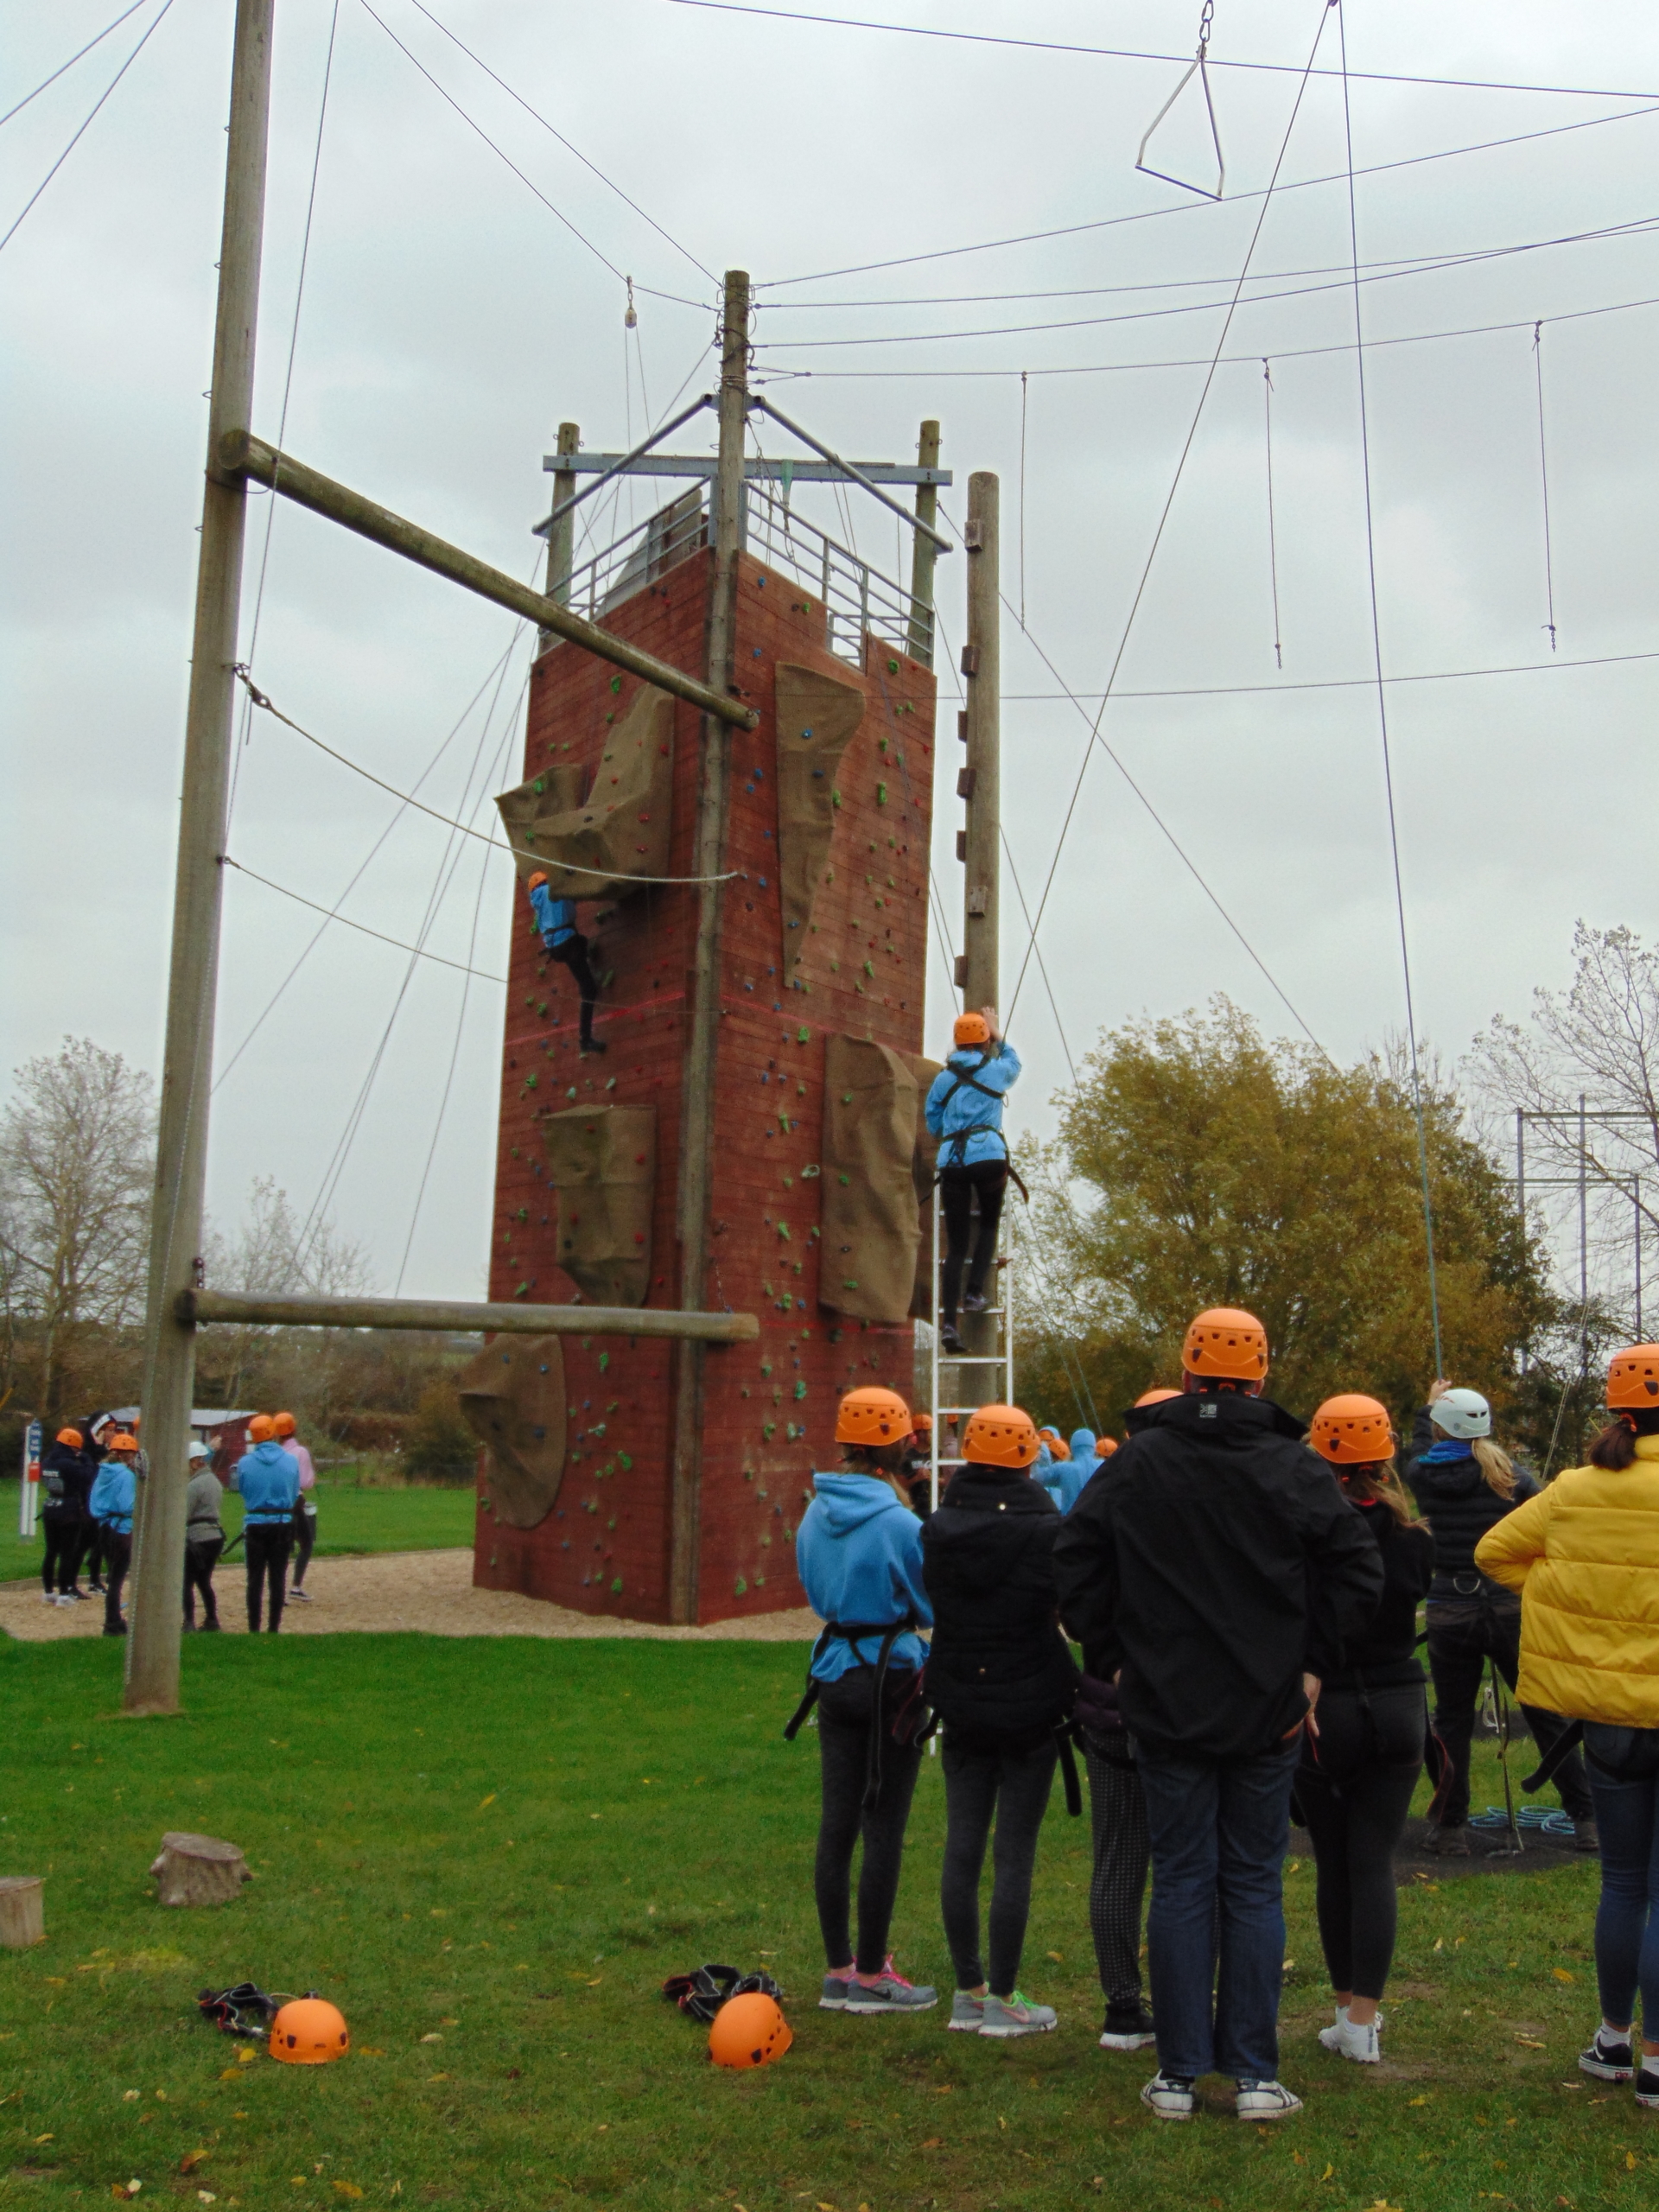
pixel 122 1442
pixel 282 1424
pixel 970 1029
pixel 261 1429
pixel 749 2031
pixel 1104 1446
pixel 539 877
pixel 1226 1342
pixel 1001 1436
pixel 72 1437
pixel 872 1417
pixel 1633 1377
pixel 1155 1398
pixel 1352 1430
pixel 309 2031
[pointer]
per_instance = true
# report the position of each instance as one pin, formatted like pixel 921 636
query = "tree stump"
pixel 22 1912
pixel 198 1870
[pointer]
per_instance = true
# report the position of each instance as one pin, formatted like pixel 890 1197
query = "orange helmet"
pixel 1001 1436
pixel 970 1029
pixel 1155 1398
pixel 922 1424
pixel 122 1442
pixel 1104 1446
pixel 1352 1430
pixel 72 1437
pixel 540 876
pixel 1226 1342
pixel 873 1417
pixel 749 2031
pixel 1633 1377
pixel 261 1429
pixel 1057 1446
pixel 309 2031
pixel 282 1424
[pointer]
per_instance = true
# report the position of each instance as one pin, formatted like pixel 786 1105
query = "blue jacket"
pixel 1046 1471
pixel 268 1479
pixel 969 1121
pixel 113 1496
pixel 859 1555
pixel 555 917
pixel 1079 1471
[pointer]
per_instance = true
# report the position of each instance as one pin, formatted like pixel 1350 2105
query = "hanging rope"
pixel 1543 476
pixel 1025 383
pixel 1273 537
pixel 1382 711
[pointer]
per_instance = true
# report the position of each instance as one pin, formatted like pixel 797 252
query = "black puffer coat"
pixel 65 1500
pixel 999 1674
pixel 1456 1499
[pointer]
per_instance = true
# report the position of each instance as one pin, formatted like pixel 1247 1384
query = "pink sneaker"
pixel 890 1994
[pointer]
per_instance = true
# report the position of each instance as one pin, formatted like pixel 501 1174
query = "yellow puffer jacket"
pixel 1583 1555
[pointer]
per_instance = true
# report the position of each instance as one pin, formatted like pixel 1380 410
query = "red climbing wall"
pixel 769 1407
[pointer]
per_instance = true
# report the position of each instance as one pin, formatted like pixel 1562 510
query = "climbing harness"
pixel 1198 67
pixel 953 1149
pixel 244 2010
pixel 701 1994
pixel 915 1730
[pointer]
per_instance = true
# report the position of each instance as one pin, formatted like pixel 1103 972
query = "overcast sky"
pixel 451 319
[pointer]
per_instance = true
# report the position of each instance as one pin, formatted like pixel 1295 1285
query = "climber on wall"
pixel 556 919
pixel 964 1108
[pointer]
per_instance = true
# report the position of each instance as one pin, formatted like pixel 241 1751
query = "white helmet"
pixel 1463 1413
pixel 198 1451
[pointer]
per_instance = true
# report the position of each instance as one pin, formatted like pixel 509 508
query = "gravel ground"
pixel 430 1591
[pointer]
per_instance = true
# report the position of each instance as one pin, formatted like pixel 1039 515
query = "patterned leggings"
pixel 1117 1814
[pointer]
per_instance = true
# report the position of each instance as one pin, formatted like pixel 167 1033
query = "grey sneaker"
pixel 1017 2016
pixel 1266 2100
pixel 967 2012
pixel 834 1998
pixel 891 1993
pixel 1169 2096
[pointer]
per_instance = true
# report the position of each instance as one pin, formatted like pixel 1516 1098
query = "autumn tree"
pixel 1200 1163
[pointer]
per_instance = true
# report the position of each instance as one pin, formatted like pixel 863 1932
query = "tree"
pixel 1198 1164
pixel 77 1165
pixel 276 1253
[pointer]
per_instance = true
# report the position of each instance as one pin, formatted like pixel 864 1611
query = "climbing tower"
pixel 818 1169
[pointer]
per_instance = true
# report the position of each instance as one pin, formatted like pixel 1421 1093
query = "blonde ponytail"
pixel 1497 1471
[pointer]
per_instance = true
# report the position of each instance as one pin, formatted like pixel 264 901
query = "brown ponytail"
pixel 1615 1448
pixel 1496 1469
pixel 1377 1484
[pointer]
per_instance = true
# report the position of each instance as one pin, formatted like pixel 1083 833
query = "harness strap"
pixel 1555 1757
pixel 1062 1736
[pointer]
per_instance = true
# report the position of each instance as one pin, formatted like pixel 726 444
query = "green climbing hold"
pixel 782 1230
pixel 540 786
pixel 803 1034
pixel 846 1100
pixel 881 794
pixel 616 683
pixel 741 1587
pixel 834 799
pixel 604 1361
pixel 616 1587
pixel 800 1390
pixel 848 1283
pixel 892 668
pixel 769 1429
pixel 626 1463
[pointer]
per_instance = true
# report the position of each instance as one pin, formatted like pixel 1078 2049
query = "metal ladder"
pixel 947 1368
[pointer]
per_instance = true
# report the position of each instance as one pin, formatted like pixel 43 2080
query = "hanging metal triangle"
pixel 1198 68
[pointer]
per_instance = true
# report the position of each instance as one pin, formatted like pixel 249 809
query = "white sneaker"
pixel 1258 2100
pixel 1348 2041
pixel 1168 2096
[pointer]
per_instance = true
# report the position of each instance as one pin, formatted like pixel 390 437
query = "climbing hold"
pixel 892 668
pixel 881 794
pixel 616 683
pixel 803 1035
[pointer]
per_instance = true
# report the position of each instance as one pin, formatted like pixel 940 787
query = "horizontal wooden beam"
pixel 769 472
pixel 199 1307
pixel 241 455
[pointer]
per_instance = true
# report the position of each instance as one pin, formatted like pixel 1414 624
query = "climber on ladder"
pixel 964 1109
pixel 556 920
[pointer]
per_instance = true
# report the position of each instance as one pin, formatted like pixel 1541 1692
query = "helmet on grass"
pixel 1001 1436
pixel 1226 1342
pixel 1463 1413
pixel 749 2031
pixel 872 1416
pixel 309 2031
pixel 1352 1430
pixel 1632 1378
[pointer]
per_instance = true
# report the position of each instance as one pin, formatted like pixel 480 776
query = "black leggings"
pixel 1013 1788
pixel 201 1558
pixel 266 1549
pixel 1463 1634
pixel 117 1557
pixel 62 1563
pixel 844 1748
pixel 1117 1888
pixel 989 1177
pixel 573 955
pixel 1355 1784
pixel 305 1537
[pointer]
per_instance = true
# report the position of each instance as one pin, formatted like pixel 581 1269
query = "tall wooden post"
pixel 562 534
pixel 697 1116
pixel 924 552
pixel 982 668
pixel 152 1672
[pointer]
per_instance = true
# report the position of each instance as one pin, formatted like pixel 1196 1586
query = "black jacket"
pixel 1215 1561
pixel 999 1673
pixel 76 1471
pixel 1385 1654
pixel 1455 1499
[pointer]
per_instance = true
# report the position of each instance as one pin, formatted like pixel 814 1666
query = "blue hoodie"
pixel 555 917
pixel 1079 1471
pixel 859 1555
pixel 957 1110
pixel 113 1496
pixel 268 1479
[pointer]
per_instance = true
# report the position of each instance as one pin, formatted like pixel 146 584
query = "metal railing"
pixel 640 557
pixel 858 600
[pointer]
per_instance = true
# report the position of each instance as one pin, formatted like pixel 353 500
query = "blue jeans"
pixel 1219 1835
pixel 1627 1919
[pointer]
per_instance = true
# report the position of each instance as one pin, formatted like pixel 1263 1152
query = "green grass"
pixel 507 1845
pixel 349 1519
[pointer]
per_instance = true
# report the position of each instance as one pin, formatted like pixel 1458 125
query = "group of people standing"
pixel 1244 1588
pixel 90 1479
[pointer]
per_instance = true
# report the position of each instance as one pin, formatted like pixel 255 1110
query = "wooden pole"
pixel 198 1308
pixel 242 454
pixel 562 534
pixel 701 1059
pixel 152 1668
pixel 924 552
pixel 982 673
